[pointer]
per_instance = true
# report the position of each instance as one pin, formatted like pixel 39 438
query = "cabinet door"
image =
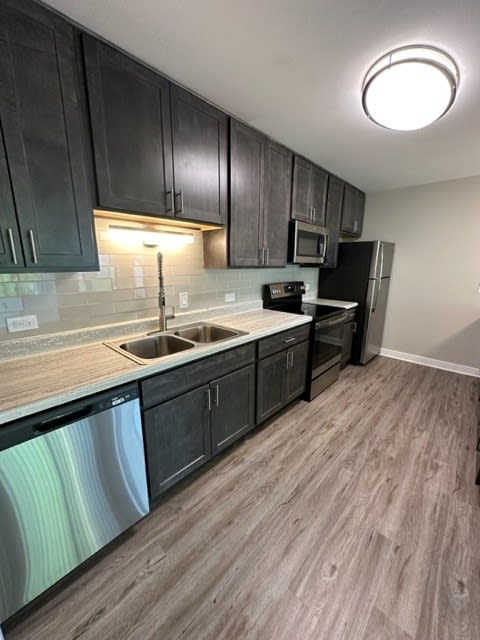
pixel 297 371
pixel 247 179
pixel 301 193
pixel 177 438
pixel 359 211
pixel 278 187
pixel 130 116
pixel 318 195
pixel 233 407
pixel 200 154
pixel 271 374
pixel 353 207
pixel 44 135
pixel 333 217
pixel 11 254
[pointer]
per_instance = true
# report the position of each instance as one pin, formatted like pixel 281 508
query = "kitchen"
pixel 432 317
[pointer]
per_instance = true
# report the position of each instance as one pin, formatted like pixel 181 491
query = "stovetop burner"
pixel 287 296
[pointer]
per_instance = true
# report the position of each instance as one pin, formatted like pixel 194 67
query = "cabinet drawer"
pixel 165 386
pixel 283 340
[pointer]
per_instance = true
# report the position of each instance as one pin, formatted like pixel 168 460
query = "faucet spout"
pixel 162 317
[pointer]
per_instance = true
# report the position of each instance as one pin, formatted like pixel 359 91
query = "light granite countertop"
pixel 34 383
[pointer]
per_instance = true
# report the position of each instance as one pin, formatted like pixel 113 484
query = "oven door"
pixel 307 243
pixel 327 343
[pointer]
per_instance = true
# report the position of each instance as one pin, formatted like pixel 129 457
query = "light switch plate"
pixel 230 297
pixel 22 323
pixel 183 300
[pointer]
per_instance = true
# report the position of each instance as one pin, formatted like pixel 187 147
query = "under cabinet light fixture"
pixel 151 238
pixel 410 87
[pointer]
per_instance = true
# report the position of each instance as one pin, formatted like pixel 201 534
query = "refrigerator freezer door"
pixel 386 259
pixel 376 259
pixel 375 319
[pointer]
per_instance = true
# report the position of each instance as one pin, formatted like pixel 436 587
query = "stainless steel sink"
pixel 204 332
pixel 151 347
pixel 159 345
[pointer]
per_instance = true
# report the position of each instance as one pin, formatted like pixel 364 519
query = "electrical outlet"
pixel 183 298
pixel 230 297
pixel 22 323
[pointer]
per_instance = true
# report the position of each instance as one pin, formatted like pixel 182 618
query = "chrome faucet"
pixel 162 318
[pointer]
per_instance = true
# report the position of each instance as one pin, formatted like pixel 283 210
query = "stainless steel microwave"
pixel 307 243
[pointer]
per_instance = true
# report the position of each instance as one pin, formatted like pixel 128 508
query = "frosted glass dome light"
pixel 409 88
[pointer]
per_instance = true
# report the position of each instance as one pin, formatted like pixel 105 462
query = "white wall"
pixel 434 300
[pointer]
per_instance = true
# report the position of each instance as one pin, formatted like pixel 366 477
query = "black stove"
pixel 287 296
pixel 319 311
pixel 327 333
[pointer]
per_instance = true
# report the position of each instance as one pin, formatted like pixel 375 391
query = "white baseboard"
pixel 431 362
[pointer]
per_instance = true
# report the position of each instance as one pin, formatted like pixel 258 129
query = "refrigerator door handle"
pixel 376 291
pixel 381 262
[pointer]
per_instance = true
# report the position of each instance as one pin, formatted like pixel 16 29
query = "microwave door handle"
pixel 324 244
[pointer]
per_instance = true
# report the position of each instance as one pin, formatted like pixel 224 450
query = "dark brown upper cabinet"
pixel 200 158
pixel 158 149
pixel 333 218
pixel 260 185
pixel 247 193
pixel 309 194
pixel 353 210
pixel 46 214
pixel 130 119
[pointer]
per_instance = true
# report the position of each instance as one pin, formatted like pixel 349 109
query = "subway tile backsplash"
pixel 126 287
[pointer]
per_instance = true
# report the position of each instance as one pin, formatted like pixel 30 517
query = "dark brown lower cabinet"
pixel 296 377
pixel 177 439
pixel 280 379
pixel 183 433
pixel 271 374
pixel 233 407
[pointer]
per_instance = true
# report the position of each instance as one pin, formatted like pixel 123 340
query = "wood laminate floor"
pixel 354 517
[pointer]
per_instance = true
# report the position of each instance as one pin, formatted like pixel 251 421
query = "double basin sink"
pixel 174 341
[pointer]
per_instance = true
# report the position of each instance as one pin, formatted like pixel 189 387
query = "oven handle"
pixel 339 319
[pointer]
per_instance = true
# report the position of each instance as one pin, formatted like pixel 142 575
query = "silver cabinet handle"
pixel 179 194
pixel 267 261
pixel 169 201
pixel 32 246
pixel 355 224
pixel 287 340
pixel 262 255
pixel 217 395
pixel 12 245
pixel 314 213
pixel 286 359
pixel 209 399
pixel 291 359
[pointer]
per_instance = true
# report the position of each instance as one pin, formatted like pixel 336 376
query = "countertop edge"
pixel 146 370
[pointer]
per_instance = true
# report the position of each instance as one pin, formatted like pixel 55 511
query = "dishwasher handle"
pixel 63 419
pixel 36 425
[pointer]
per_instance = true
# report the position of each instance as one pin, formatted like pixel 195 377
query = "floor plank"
pixel 353 517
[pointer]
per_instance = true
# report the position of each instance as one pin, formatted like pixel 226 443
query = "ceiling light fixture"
pixel 409 88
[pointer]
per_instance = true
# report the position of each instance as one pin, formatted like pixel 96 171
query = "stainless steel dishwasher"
pixel 71 480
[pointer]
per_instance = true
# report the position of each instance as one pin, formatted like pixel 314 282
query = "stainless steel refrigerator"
pixel 363 275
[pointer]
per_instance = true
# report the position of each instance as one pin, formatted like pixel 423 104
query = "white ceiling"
pixel 294 68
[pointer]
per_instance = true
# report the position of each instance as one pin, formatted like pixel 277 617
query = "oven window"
pixel 309 244
pixel 327 345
